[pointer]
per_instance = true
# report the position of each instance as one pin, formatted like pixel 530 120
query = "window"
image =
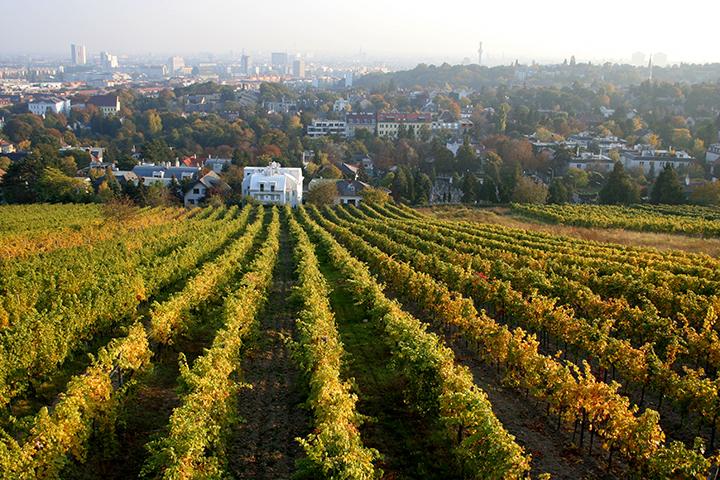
pixel 272 187
pixel 262 187
pixel 196 191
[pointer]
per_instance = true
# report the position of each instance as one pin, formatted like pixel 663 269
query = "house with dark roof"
pixel 349 171
pixel 217 165
pixel 359 121
pixel 165 173
pixel 199 191
pixel 16 156
pixel 350 191
pixel 125 178
pixel 364 161
pixel 96 153
pixel 107 104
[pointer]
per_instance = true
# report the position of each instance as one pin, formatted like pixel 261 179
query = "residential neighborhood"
pixel 359 240
pixel 458 143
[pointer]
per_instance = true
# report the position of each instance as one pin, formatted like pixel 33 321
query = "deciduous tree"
pixel 529 191
pixel 324 193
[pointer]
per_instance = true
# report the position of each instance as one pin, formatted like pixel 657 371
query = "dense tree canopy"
pixel 667 188
pixel 619 188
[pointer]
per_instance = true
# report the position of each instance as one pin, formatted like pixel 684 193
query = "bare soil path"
pixel 263 445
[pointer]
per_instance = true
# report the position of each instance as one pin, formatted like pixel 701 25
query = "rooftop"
pixel 110 100
pixel 404 117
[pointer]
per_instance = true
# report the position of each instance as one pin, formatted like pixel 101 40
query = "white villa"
pixel 649 159
pixel 274 185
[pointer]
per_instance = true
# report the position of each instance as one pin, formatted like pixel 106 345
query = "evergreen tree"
pixel 561 159
pixel 444 160
pixel 126 162
pixel 466 159
pixel 488 191
pixel 469 188
pixel 558 192
pixel 112 182
pixel 138 193
pixel 157 151
pixel 400 185
pixel 510 173
pixel 667 188
pixel 619 188
pixel 423 189
pixel 21 180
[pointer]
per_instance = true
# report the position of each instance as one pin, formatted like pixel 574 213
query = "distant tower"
pixel 298 68
pixel 245 64
pixel 650 67
pixel 176 63
pixel 480 53
pixel 79 54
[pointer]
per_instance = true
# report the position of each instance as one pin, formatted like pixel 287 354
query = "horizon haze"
pixel 412 32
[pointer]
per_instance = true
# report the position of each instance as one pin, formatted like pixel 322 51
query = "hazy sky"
pixel 418 30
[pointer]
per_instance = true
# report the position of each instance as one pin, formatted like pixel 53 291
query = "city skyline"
pixel 405 31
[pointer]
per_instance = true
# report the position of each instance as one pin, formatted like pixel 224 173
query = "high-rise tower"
pixel 298 68
pixel 480 53
pixel 79 54
pixel 245 64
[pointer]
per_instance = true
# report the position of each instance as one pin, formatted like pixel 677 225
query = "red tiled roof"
pixel 193 161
